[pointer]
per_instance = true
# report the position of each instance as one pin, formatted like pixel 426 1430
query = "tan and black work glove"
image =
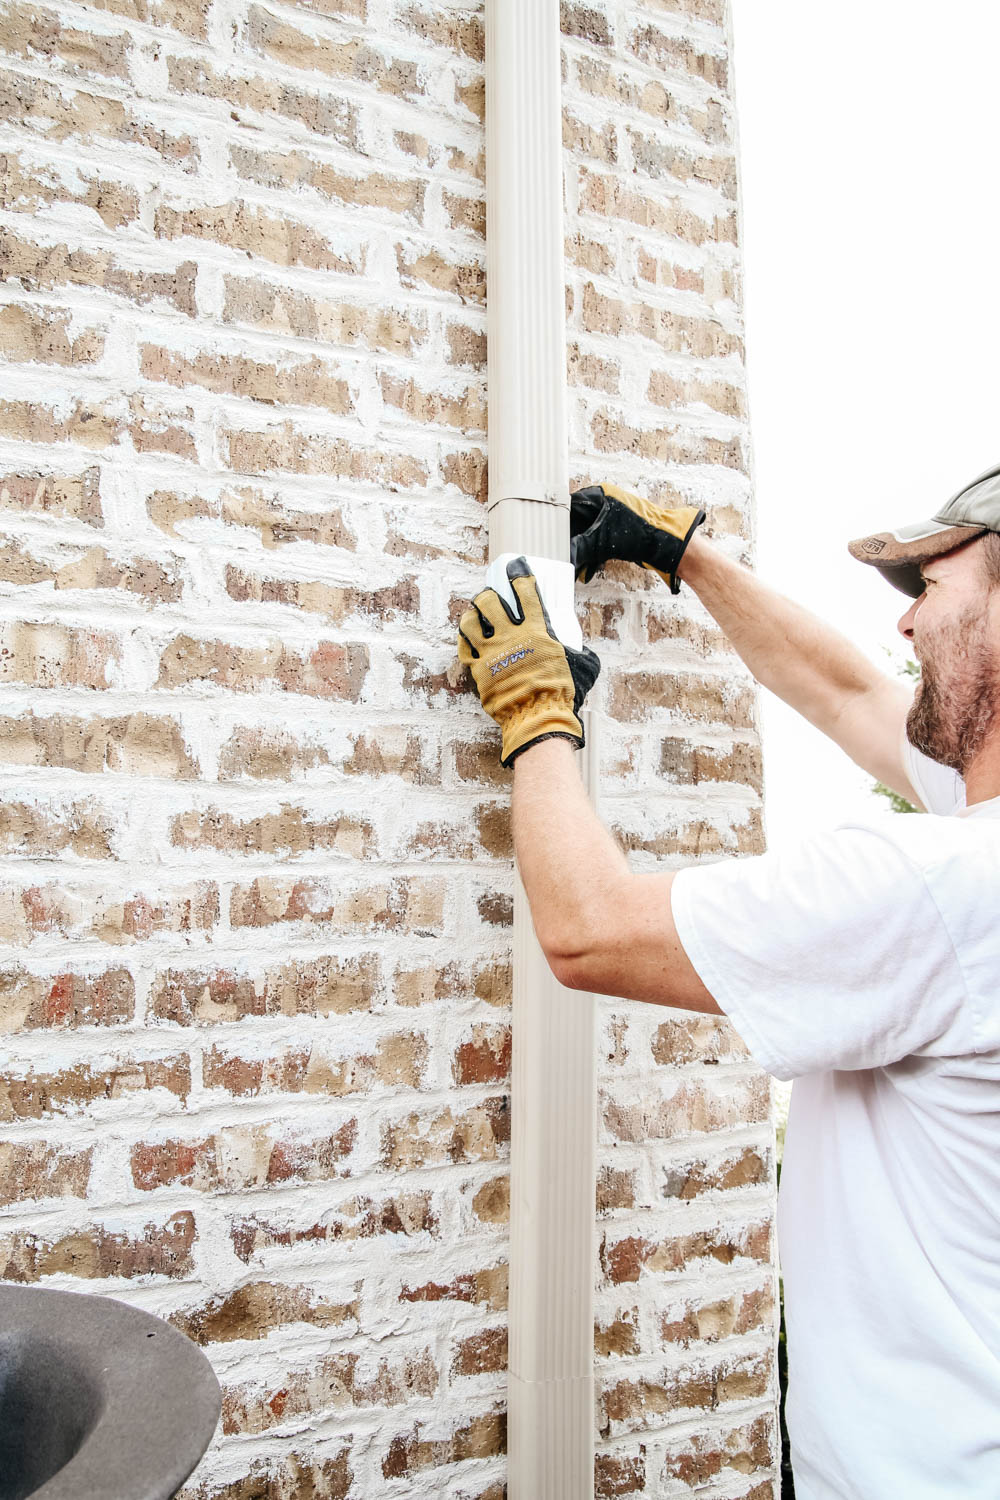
pixel 605 522
pixel 531 683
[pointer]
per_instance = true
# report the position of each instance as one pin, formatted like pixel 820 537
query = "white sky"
pixel 870 156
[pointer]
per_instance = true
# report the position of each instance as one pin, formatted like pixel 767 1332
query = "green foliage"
pixel 905 668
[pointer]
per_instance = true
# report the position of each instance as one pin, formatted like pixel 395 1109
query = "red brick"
pixel 322 987
pixel 66 1000
pixel 95 1252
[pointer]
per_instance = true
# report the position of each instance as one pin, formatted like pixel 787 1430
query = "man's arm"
pixel 807 663
pixel 600 927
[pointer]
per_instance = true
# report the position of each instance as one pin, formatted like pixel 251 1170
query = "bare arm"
pixel 600 927
pixel 806 662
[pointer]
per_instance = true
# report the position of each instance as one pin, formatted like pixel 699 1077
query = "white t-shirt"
pixel 865 964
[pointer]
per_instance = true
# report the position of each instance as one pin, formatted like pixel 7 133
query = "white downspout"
pixel 551 1382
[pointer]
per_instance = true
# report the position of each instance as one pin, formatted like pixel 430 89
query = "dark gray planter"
pixel 98 1401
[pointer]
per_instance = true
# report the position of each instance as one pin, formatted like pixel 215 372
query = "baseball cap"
pixel 898 554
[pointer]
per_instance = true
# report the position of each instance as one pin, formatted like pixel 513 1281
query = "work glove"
pixel 605 521
pixel 530 683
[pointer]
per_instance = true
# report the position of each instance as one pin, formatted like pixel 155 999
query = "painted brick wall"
pixel 255 916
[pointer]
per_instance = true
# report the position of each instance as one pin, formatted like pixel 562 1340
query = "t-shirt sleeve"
pixel 832 955
pixel 940 789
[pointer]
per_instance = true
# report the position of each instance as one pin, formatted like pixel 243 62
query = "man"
pixel 863 963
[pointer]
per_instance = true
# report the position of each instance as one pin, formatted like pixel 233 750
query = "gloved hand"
pixel 531 683
pixel 606 521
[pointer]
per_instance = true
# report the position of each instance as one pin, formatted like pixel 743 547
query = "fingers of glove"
pixel 475 629
pixel 533 611
pixel 467 652
pixel 584 508
pixel 490 614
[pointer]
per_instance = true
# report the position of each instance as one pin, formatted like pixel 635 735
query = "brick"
pixel 482 1353
pixel 416 537
pixel 745 1168
pixel 303 987
pixel 618 1338
pixel 406 1213
pixel 37 1094
pixel 619 1474
pixel 65 911
pixel 58 655
pixel 487 1288
pixel 466 346
pixel 707 1322
pixel 397 1061
pixel 309 382
pixel 288 831
pixel 295 171
pixel 78 827
pixel 319 110
pixel 464 409
pixel 158 428
pixel 252 1311
pixel 697 1039
pixel 467 472
pixel 593 371
pixel 289 449
pixel 623 1260
pixel 654 157
pixel 587 23
pixel 189 17
pixel 427 983
pixel 690 1107
pixel 96 1252
pixel 394 751
pixel 57 113
pixel 411 1453
pixel 137 744
pixel 485 1057
pixel 65 1001
pixel 688 764
pixel 701 1457
pixel 496 909
pixel 36 34
pixel 634 695
pixel 453 33
pixel 667 390
pixel 336 603
pixel 698 839
pixel 80 422
pixel 36 335
pixel 93 569
pixel 480 1133
pixel 615 1189
pixel 401 905
pixel 635 1405
pixel 678 55
pixel 351 59
pixel 337 1383
pixel 240 225
pixel 285 1476
pixel 484 829
pixel 667 444
pixel 713 11
pixel 491 1204
pixel 461 278
pixel 270 518
pixel 678 333
pixel 240 1158
pixel 608 198
pixel 31 1170
pixel 582 139
pixel 255 303
pixel 74 496
pixel 330 671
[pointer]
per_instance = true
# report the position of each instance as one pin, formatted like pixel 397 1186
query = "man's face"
pixel 953 627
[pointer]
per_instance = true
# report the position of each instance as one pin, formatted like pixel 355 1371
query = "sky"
pixel 868 138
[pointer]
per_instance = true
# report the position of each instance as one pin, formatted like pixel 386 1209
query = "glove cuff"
pixel 539 721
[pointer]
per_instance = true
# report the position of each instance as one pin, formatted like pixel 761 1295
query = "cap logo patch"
pixel 873 545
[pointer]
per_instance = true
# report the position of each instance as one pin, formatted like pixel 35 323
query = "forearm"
pixel 568 861
pixel 789 650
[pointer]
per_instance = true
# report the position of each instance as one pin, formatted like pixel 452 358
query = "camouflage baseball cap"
pixel 899 554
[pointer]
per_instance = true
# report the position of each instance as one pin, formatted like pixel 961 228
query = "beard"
pixel 955 704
